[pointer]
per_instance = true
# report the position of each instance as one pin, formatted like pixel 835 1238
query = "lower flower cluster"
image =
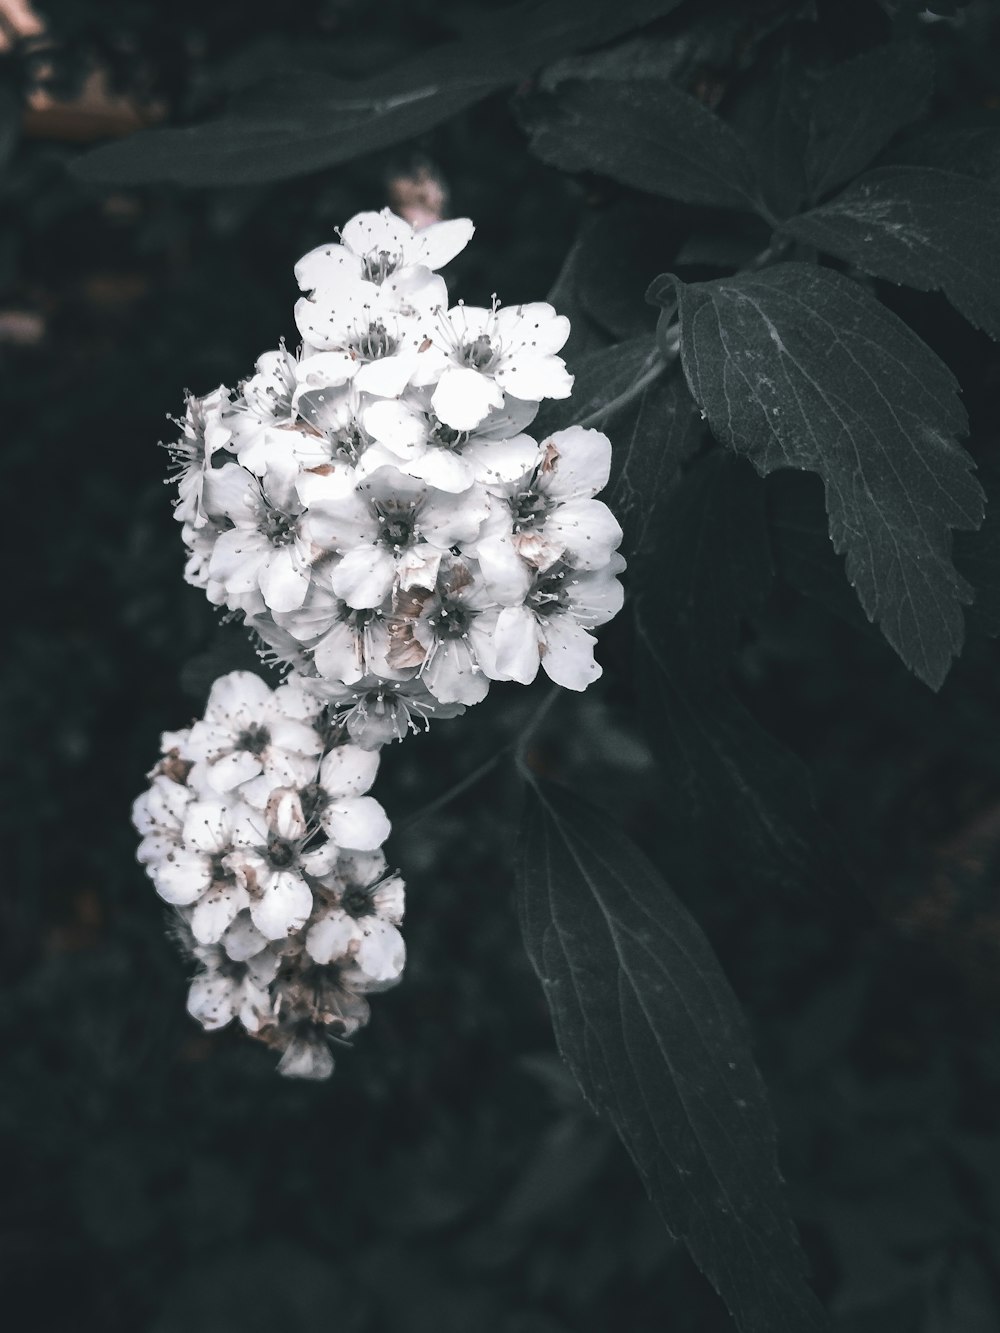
pixel 258 830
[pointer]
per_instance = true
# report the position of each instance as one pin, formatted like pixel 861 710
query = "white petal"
pixel 387 377
pixel 207 826
pixel 452 676
pixel 284 905
pixel 323 267
pixel 306 1058
pixel 242 939
pixel 212 1000
pixel 444 470
pixel 380 953
pixel 332 936
pixel 464 397
pixel 578 463
pixel 398 427
pixel 215 912
pixel 504 572
pixel 183 878
pixel 389 899
pixel 568 659
pixel 232 769
pixel 441 241
pixel 535 377
pixel 517 644
pixel 502 461
pixel 368 233
pixel 348 771
pixel 356 822
pixel 338 655
pixel 364 577
pixel 237 699
pixel 284 579
pixel 586 529
pixel 284 814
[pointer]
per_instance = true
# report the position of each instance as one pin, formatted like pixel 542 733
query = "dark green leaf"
pixel 713 564
pixel 648 134
pixel 738 804
pixel 930 229
pixel 651 439
pixel 648 1024
pixel 860 105
pixel 302 123
pixel 799 367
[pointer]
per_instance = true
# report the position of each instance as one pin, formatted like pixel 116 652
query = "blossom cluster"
pixel 374 507
pixel 259 831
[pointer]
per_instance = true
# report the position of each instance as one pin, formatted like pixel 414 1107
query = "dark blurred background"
pixel 448 1177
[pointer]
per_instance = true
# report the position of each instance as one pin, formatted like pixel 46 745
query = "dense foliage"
pixel 761 853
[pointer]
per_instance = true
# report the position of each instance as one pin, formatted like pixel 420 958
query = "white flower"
pixel 226 989
pixel 250 731
pixel 264 558
pixel 451 460
pixel 448 632
pixel 195 874
pixel 272 864
pixel 375 712
pixel 344 643
pixel 336 799
pixel 551 628
pixel 268 393
pixel 550 514
pixel 379 337
pixel 497 351
pixel 361 917
pixel 205 433
pixel 158 815
pixel 375 246
pixel 392 527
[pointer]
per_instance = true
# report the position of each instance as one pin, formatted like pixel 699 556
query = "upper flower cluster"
pixel 374 505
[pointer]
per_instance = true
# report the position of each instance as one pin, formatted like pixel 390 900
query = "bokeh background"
pixel 449 1176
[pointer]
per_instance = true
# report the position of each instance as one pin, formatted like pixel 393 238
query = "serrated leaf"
pixel 647 134
pixel 654 1036
pixel 798 367
pixel 860 105
pixel 302 123
pixel 929 229
pixel 651 439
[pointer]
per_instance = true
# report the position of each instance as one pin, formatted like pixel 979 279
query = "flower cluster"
pixel 375 509
pixel 259 832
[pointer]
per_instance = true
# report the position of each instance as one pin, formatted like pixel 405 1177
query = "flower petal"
pixel 283 906
pixel 464 397
pixel 356 822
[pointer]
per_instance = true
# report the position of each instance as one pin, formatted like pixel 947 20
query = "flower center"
pixel 451 620
pixel 527 509
pixel 357 901
pixel 314 799
pixel 445 437
pixel 280 852
pixel 278 528
pixel 479 354
pixel 398 526
pixel 375 343
pixel 377 266
pixel 255 739
pixel 548 594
